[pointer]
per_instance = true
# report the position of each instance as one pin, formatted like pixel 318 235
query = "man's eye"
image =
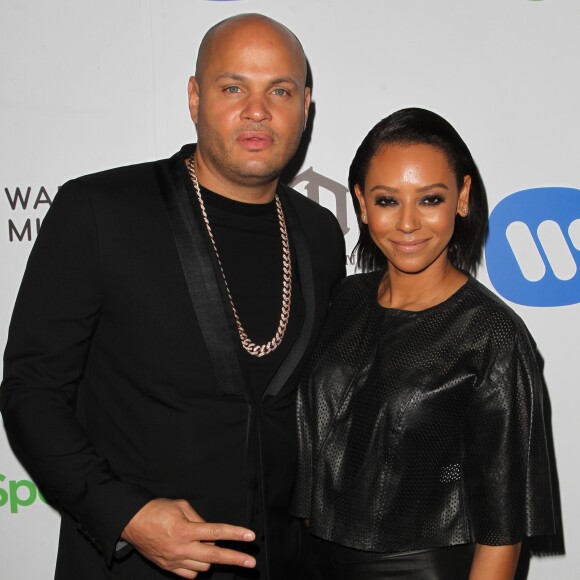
pixel 233 89
pixel 280 92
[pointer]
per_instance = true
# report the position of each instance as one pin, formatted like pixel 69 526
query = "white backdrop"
pixel 90 85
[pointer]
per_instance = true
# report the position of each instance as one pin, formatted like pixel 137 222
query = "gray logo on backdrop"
pixel 24 229
pixel 315 182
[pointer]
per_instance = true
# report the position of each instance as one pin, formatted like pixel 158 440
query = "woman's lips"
pixel 254 140
pixel 410 247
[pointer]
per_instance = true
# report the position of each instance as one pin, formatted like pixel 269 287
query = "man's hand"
pixel 174 536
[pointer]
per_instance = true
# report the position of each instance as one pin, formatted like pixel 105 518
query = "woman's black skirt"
pixel 330 561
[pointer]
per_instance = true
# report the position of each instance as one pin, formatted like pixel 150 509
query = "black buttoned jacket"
pixel 121 377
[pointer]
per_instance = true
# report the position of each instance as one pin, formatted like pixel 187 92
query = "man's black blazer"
pixel 121 374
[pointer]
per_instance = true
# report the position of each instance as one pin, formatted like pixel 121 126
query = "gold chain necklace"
pixel 251 347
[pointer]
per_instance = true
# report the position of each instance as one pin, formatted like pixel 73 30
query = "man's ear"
pixel 193 94
pixel 306 106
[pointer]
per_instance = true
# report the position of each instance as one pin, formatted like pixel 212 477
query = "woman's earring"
pixel 364 217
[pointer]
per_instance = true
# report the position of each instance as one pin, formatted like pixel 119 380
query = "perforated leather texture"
pixel 422 429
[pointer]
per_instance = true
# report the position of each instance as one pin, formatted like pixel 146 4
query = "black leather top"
pixel 422 429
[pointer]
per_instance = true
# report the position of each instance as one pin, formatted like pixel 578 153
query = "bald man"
pixel 163 319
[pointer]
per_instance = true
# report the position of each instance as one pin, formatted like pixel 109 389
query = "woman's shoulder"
pixel 356 286
pixel 491 312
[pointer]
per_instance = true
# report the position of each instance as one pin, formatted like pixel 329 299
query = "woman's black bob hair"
pixel 416 126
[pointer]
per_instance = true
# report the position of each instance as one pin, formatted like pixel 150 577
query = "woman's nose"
pixel 408 219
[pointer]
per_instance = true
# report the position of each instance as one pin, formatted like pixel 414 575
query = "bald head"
pixel 247 24
pixel 249 102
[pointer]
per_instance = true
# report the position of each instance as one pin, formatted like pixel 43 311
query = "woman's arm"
pixel 495 562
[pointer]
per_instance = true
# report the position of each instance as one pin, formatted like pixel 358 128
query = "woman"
pixel 422 442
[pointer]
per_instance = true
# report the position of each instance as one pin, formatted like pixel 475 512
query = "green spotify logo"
pixel 16 494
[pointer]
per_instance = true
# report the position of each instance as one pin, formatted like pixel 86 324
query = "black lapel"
pixel 195 256
pixel 304 266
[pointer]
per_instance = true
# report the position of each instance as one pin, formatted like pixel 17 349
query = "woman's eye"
pixel 386 201
pixel 432 200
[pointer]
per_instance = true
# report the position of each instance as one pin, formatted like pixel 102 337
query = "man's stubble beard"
pixel 246 173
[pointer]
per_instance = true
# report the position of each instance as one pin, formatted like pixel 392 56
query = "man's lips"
pixel 407 247
pixel 254 140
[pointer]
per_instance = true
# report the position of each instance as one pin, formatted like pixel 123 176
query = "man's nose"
pixel 256 109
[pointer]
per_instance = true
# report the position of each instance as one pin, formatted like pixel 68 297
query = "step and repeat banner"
pixel 95 84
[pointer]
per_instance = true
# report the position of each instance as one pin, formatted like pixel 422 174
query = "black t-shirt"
pixel 248 239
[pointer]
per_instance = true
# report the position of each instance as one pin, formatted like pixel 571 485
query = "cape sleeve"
pixel 507 465
pixel 312 414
